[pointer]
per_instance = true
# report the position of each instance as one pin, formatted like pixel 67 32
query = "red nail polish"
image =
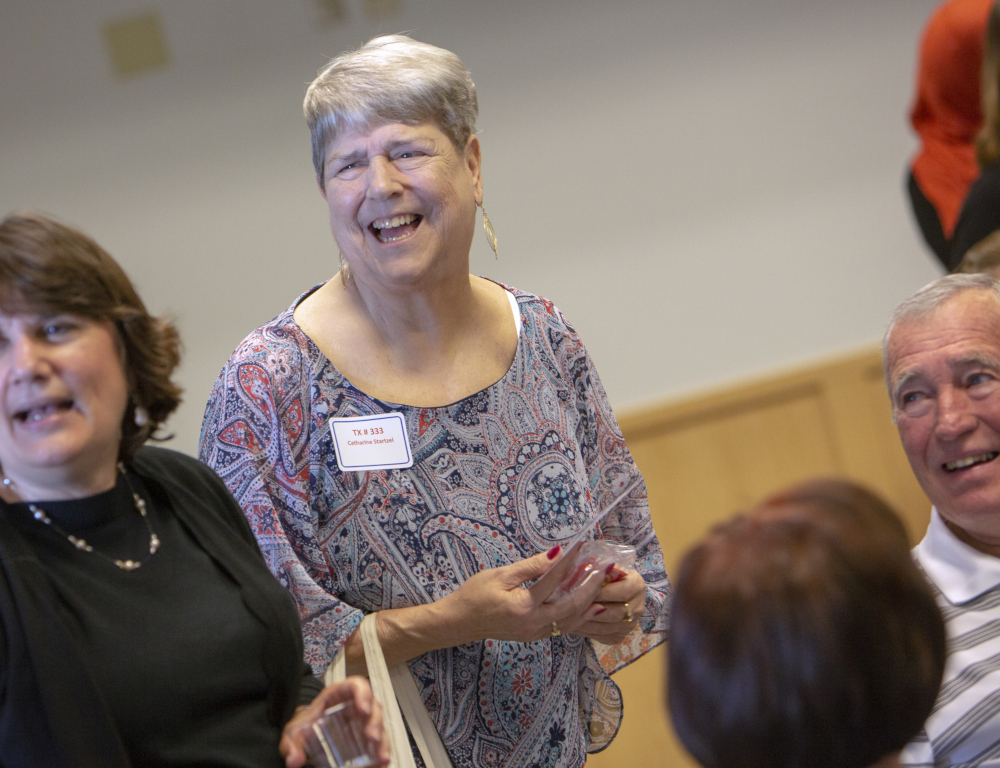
pixel 600 610
pixel 551 554
pixel 609 569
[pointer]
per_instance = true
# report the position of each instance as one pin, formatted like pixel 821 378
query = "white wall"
pixel 707 189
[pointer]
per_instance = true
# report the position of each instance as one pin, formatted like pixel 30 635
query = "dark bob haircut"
pixel 803 636
pixel 51 269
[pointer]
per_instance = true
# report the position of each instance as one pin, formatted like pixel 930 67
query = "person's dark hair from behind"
pixel 988 138
pixel 983 257
pixel 48 268
pixel 803 636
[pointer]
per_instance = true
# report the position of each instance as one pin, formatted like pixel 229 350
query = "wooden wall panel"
pixel 708 456
pixel 729 459
pixel 870 448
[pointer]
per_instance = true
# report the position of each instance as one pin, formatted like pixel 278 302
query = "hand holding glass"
pixel 336 739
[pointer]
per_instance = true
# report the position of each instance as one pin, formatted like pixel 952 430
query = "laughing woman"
pixel 411 440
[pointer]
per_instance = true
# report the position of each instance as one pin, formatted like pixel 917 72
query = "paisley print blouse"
pixel 499 476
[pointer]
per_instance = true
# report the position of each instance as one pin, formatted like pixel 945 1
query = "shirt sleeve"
pixel 615 482
pixel 309 688
pixel 257 436
pixel 918 752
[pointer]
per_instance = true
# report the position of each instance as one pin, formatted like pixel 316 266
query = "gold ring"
pixel 555 630
pixel 628 614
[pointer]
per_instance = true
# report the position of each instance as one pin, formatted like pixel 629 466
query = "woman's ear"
pixel 474 160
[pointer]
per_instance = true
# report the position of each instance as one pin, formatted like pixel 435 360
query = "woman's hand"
pixel 611 625
pixel 366 710
pixel 493 605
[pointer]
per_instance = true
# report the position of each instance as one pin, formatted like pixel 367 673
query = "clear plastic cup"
pixel 336 739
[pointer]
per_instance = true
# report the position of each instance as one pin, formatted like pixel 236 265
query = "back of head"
pixel 390 79
pixel 803 636
pixel 988 139
pixel 983 257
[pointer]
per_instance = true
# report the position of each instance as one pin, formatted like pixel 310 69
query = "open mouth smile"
pixel 38 412
pixel 970 461
pixel 395 228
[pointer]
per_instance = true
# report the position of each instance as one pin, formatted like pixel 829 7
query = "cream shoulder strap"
pixel 396 691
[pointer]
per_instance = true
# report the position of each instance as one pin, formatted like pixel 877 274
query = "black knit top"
pixel 178 657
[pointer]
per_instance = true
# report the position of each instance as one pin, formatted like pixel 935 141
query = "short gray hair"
pixel 926 301
pixel 390 79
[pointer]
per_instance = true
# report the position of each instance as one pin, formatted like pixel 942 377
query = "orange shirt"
pixel 946 111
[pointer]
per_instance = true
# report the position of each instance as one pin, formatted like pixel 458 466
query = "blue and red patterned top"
pixel 499 476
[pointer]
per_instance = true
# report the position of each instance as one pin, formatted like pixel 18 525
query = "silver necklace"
pixel 79 543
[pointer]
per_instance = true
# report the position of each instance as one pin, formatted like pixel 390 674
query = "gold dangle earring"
pixel 490 234
pixel 344 274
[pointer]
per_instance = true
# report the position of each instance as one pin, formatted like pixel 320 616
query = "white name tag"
pixel 371 442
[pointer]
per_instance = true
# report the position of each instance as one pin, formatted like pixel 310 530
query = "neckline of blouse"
pixel 317 354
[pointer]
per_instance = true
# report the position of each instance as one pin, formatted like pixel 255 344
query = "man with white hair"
pixel 942 364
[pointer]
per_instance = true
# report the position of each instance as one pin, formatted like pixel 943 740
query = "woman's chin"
pixel 403 272
pixel 58 453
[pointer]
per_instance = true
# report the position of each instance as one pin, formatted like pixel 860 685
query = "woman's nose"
pixel 28 362
pixel 383 179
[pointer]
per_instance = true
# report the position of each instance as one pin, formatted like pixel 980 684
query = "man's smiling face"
pixel 944 378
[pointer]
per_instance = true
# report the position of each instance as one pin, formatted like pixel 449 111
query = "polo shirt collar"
pixel 959 571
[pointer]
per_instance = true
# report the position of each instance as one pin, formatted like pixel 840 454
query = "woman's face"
pixel 402 202
pixel 64 395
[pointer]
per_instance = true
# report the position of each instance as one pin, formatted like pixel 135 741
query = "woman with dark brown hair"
pixel 138 622
pixel 804 636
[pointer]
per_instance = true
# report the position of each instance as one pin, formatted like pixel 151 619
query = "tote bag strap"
pixel 337 671
pixel 424 733
pixel 396 702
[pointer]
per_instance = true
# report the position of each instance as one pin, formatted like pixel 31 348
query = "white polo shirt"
pixel 964 728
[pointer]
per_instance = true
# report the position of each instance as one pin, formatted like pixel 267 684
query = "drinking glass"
pixel 336 739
